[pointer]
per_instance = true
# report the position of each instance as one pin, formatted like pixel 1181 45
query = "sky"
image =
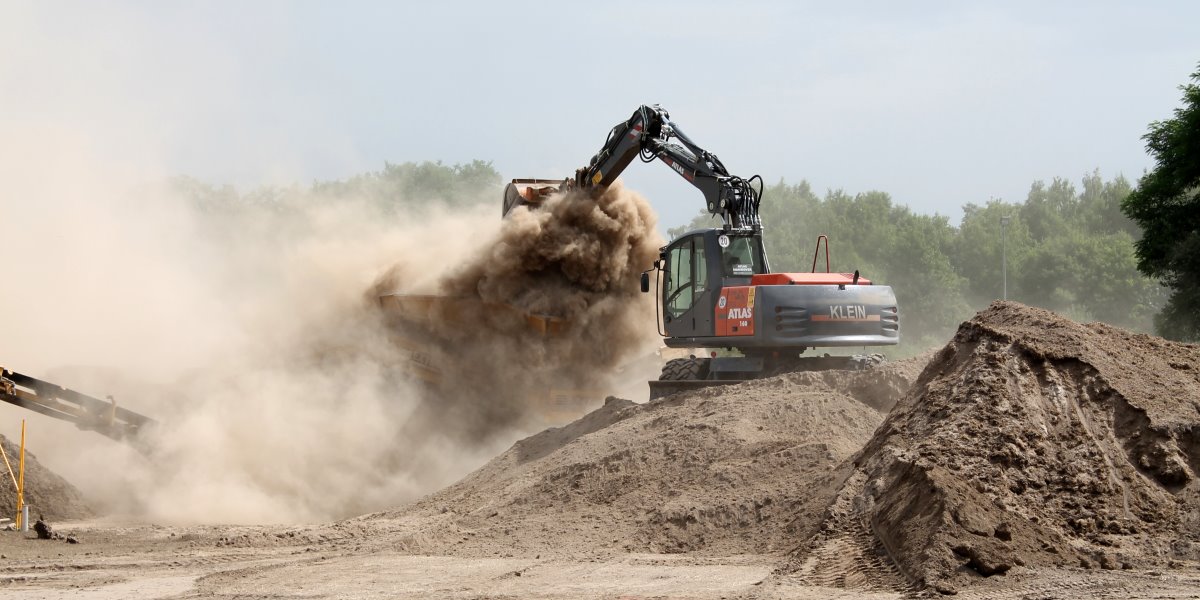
pixel 937 103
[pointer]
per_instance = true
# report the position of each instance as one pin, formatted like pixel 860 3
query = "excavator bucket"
pixel 529 192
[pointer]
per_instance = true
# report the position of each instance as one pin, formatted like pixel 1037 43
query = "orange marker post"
pixel 11 476
pixel 21 481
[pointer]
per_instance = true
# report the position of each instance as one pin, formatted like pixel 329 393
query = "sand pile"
pixel 1029 441
pixel 740 469
pixel 45 492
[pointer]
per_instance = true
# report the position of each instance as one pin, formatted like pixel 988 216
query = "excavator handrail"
pixel 817 252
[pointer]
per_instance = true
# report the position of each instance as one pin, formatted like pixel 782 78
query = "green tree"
pixel 982 244
pixel 1048 209
pixel 1166 204
pixel 395 188
pixel 400 186
pixel 928 289
pixel 1100 205
pixel 887 242
pixel 1089 276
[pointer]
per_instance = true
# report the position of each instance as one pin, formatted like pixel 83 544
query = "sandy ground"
pixel 1031 458
pixel 116 561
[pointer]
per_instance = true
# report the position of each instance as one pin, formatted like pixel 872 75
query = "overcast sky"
pixel 937 103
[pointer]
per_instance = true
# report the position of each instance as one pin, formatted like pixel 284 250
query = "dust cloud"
pixel 575 260
pixel 251 331
pixel 259 345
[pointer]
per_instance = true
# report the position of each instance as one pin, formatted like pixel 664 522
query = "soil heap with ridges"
pixel 1031 441
pixel 46 492
pixel 730 470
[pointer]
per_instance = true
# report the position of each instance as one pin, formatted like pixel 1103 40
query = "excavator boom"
pixel 650 134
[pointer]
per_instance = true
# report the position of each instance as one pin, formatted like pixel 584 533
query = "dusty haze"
pixel 577 259
pixel 256 343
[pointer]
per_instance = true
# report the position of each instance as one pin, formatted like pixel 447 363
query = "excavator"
pixel 715 286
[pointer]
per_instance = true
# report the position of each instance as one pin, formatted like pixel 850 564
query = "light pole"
pixel 1004 253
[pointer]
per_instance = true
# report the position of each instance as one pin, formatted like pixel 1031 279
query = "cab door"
pixel 687 296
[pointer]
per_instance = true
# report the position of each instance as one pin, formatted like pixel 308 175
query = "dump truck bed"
pixel 421 324
pixel 428 310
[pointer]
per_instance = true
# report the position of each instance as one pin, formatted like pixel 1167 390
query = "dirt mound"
pixel 880 388
pixel 45 492
pixel 739 469
pixel 1030 440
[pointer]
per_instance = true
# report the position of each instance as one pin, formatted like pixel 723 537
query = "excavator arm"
pixel 651 134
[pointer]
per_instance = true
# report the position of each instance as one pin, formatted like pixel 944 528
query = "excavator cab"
pixel 696 267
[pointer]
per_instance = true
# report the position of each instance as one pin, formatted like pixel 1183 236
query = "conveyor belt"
pixel 86 412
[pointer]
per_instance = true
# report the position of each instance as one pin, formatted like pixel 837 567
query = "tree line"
pixel 394 188
pixel 1066 247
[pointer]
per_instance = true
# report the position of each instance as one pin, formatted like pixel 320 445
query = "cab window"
pixel 741 258
pixel 686 276
pixel 699 267
pixel 681 283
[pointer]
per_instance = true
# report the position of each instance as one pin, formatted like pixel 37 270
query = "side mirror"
pixel 645 282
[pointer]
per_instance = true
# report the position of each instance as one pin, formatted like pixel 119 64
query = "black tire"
pixel 862 362
pixel 684 369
